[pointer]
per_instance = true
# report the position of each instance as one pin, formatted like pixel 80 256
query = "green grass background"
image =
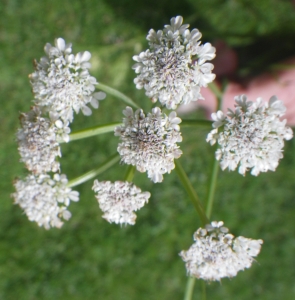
pixel 89 258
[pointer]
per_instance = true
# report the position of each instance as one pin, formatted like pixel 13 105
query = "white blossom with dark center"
pixel 37 142
pixel 119 200
pixel 45 200
pixel 174 68
pixel 252 136
pixel 61 82
pixel 216 253
pixel 149 142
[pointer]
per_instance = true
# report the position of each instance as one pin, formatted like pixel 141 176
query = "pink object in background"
pixel 280 83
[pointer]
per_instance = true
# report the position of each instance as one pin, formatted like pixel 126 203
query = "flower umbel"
pixel 45 200
pixel 61 82
pixel 217 254
pixel 149 142
pixel 252 136
pixel 37 141
pixel 174 68
pixel 119 200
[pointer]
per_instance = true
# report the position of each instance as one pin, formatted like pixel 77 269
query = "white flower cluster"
pixel 37 139
pixel 119 200
pixel 251 136
pixel 149 142
pixel 216 253
pixel 45 200
pixel 61 82
pixel 174 68
pixel 61 85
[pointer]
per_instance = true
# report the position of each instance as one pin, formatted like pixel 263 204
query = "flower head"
pixel 45 200
pixel 61 82
pixel 252 136
pixel 37 140
pixel 174 68
pixel 149 142
pixel 216 253
pixel 119 200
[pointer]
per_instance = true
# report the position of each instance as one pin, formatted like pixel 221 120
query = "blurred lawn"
pixel 89 258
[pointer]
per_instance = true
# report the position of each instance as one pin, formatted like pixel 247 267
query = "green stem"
pixel 198 123
pixel 213 178
pixel 189 288
pixel 117 94
pixel 93 173
pixel 191 192
pixel 130 173
pixel 96 130
pixel 217 92
pixel 212 187
pixel 203 290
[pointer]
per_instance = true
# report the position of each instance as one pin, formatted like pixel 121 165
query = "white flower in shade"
pixel 174 68
pixel 149 142
pixel 252 136
pixel 216 253
pixel 119 200
pixel 45 200
pixel 61 82
pixel 37 140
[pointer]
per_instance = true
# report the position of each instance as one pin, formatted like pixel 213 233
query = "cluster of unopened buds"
pixel 172 71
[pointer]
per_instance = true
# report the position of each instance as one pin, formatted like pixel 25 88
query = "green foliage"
pixel 89 258
pixel 240 22
pixel 262 32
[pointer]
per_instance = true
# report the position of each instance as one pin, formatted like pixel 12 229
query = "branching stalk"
pixel 130 173
pixel 189 288
pixel 196 123
pixel 212 187
pixel 117 94
pixel 96 130
pixel 191 192
pixel 93 173
pixel 217 92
